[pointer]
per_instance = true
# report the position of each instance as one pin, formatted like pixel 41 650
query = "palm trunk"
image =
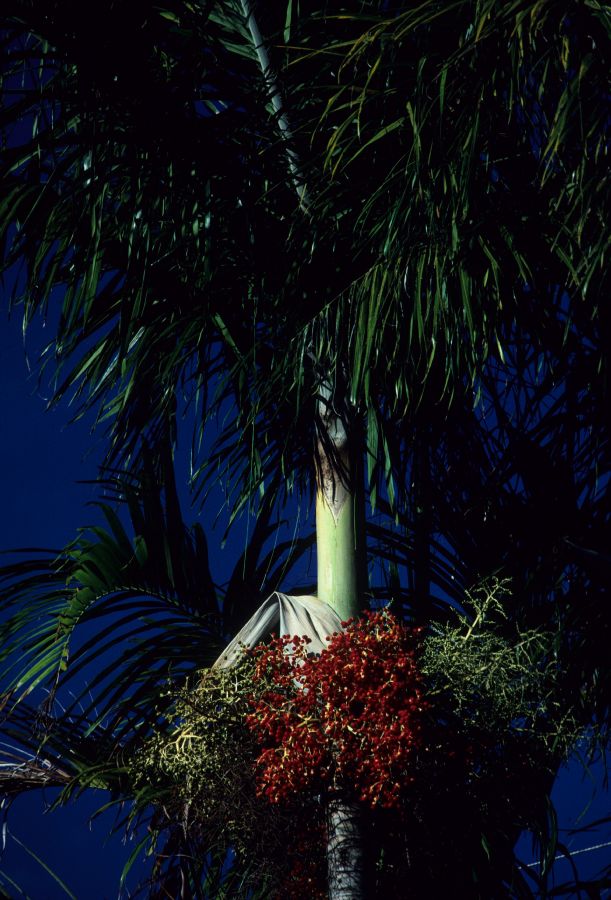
pixel 344 850
pixel 340 527
pixel 340 546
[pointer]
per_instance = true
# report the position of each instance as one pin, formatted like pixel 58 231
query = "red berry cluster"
pixel 350 718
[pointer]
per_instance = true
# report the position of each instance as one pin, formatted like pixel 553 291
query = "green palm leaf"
pixel 428 174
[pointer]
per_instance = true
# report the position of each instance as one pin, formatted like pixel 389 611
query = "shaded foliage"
pixel 440 265
pixel 441 194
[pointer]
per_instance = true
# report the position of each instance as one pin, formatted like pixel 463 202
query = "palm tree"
pixel 218 191
pixel 188 189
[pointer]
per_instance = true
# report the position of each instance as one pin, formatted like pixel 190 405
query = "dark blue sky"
pixel 42 459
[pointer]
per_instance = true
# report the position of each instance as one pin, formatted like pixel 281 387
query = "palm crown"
pixel 446 201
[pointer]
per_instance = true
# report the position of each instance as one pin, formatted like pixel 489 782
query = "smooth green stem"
pixel 338 546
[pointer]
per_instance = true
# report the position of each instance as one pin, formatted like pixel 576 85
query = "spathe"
pixel 284 614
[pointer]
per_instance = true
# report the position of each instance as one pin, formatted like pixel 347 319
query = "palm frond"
pixel 115 614
pixel 443 195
